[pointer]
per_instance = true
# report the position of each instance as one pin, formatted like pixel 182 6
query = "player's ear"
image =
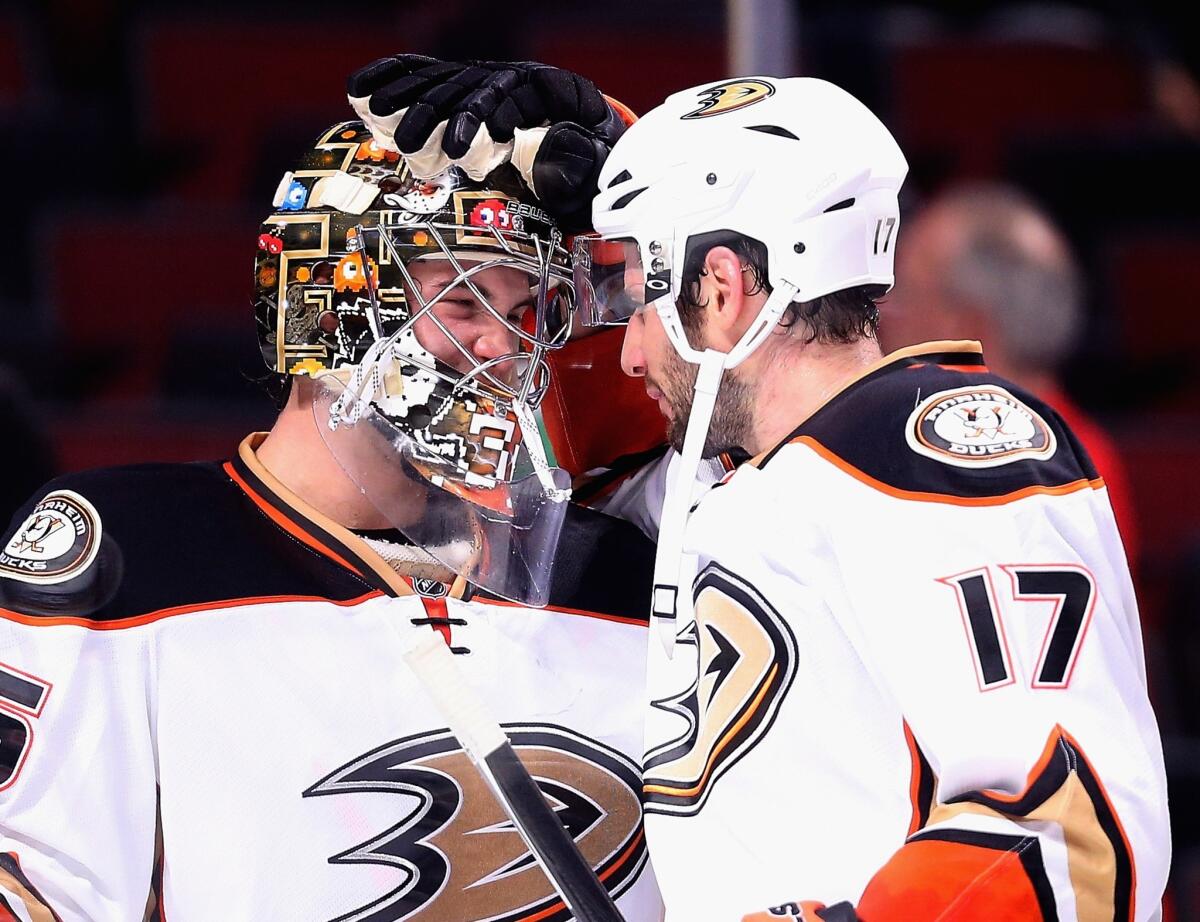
pixel 724 290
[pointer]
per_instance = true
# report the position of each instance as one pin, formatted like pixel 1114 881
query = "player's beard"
pixel 732 418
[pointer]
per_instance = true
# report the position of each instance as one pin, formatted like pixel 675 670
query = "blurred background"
pixel 1052 210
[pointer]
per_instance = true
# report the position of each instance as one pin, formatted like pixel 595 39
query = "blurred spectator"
pixel 28 461
pixel 981 261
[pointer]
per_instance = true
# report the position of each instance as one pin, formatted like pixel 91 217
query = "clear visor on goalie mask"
pixel 500 534
pixel 611 282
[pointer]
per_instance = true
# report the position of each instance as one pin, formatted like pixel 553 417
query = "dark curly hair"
pixel 840 317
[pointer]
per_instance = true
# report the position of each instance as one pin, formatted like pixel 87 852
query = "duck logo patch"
pixel 729 97
pixel 452 851
pixel 57 542
pixel 978 427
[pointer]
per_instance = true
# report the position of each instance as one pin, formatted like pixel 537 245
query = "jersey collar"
pixel 312 527
pixel 963 355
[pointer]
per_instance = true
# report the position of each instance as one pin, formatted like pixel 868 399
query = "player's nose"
pixel 492 338
pixel 633 361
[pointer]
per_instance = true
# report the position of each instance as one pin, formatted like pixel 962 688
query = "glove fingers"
pixel 378 74
pixel 554 125
pixel 414 129
pixel 472 77
pixel 399 94
pixel 476 107
pixel 461 129
pixel 523 108
pixel 568 96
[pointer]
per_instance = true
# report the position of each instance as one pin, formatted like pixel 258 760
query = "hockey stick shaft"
pixel 489 748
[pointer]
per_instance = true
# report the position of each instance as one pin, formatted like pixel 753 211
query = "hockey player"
pixel 896 665
pixel 203 708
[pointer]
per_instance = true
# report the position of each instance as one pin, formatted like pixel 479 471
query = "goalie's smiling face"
pixel 461 314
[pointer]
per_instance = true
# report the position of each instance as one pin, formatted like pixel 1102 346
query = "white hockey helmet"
pixel 796 163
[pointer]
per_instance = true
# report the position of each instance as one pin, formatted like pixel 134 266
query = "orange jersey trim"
pixel 1051 750
pixel 118 624
pixel 966 347
pixel 914 784
pixel 284 522
pixel 971 369
pixel 949 499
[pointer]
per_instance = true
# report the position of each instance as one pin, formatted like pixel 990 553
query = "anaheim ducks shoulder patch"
pixel 978 427
pixel 58 541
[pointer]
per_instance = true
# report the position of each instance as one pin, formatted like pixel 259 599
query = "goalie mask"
pixel 359 270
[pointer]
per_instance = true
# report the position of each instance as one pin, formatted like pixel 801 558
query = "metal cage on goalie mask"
pixel 332 278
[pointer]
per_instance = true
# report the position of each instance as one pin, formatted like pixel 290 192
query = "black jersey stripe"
pixel 966 358
pixel 923 783
pixel 183 537
pixel 878 429
pixel 262 491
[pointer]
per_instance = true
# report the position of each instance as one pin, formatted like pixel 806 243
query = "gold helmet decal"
pixel 731 96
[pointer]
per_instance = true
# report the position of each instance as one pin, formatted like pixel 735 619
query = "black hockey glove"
pixel 552 124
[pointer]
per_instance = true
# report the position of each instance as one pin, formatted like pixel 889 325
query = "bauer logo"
pixel 58 540
pixel 729 97
pixel 978 427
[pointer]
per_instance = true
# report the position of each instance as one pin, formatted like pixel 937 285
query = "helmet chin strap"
pixel 674 567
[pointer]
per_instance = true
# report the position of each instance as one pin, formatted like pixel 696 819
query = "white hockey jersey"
pixel 239 696
pixel 914 679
